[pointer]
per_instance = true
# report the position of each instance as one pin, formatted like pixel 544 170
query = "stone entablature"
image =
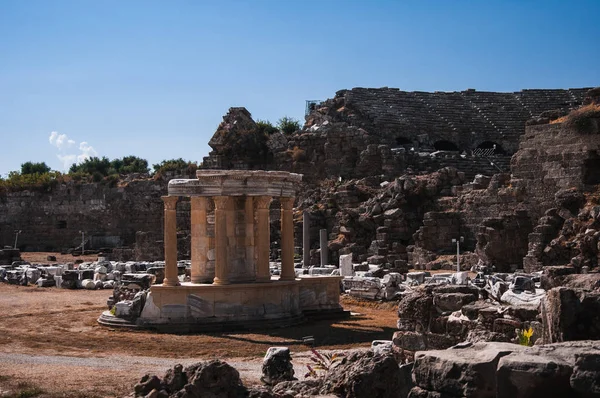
pixel 237 183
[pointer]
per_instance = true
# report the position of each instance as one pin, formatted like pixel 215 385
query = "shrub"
pixel 105 167
pixel 92 165
pixel 297 154
pixel 33 168
pixel 184 166
pixel 584 120
pixel 36 181
pixel 266 127
pixel 288 125
pixel 322 363
pixel 112 180
pixel 97 176
pixel 130 164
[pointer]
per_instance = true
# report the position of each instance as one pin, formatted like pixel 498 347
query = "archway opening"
pixel 403 141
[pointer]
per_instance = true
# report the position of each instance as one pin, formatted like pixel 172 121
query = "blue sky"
pixel 154 78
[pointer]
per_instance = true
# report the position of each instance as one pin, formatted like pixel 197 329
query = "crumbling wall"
pixel 363 132
pixel 52 221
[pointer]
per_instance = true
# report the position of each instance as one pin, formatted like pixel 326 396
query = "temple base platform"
pixel 242 306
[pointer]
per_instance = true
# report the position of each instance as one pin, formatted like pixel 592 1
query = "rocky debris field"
pixel 479 370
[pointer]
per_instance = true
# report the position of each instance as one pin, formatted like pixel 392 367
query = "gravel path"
pixel 250 369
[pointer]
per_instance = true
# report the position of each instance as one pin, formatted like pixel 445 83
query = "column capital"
pixel 263 202
pixel 170 202
pixel 287 203
pixel 221 202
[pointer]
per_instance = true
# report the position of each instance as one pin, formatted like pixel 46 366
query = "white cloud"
pixel 61 141
pixel 67 158
pixel 87 151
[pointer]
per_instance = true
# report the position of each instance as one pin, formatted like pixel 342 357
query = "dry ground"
pixel 51 345
pixel 41 257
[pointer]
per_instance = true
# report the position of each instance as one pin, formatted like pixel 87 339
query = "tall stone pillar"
pixel 306 238
pixel 287 239
pixel 222 204
pixel 170 239
pixel 249 235
pixel 263 238
pixel 200 240
pixel 323 243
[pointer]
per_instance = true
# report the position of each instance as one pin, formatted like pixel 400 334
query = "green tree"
pixel 33 168
pixel 130 164
pixel 175 165
pixel 288 125
pixel 92 165
pixel 266 127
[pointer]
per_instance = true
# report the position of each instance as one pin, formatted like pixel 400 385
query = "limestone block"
pixel 346 266
pixel 462 372
pixel 277 366
pixel 586 374
pixel 452 301
pixel 522 375
pixel 88 284
pixel 123 308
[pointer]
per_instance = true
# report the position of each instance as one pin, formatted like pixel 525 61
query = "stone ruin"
pixel 523 198
pixel 480 370
pixel 364 132
pixel 230 283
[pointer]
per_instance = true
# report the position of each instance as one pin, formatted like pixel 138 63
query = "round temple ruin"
pixel 230 280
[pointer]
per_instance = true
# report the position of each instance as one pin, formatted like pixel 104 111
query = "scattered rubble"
pixel 508 370
pixel 277 366
pixel 486 370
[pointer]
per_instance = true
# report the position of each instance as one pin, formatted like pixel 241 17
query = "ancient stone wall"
pixel 466 119
pixel 363 132
pixel 52 220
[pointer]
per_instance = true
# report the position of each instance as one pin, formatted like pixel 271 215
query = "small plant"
pixel 525 337
pixel 297 154
pixel 584 120
pixel 266 127
pixel 288 125
pixel 322 363
pixel 27 390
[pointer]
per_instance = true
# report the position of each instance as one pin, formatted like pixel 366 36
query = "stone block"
pixel 461 372
pixel 524 375
pixel 585 378
pixel 346 266
pixel 506 326
pixel 452 301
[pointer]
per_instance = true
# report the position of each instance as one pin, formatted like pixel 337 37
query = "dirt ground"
pixel 42 257
pixel 51 345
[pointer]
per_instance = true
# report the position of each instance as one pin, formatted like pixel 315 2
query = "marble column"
pixel 287 239
pixel 200 240
pixel 323 242
pixel 222 204
pixel 249 240
pixel 305 239
pixel 263 238
pixel 170 238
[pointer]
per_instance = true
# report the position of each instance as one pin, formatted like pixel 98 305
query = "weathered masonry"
pixel 231 284
pixel 240 242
